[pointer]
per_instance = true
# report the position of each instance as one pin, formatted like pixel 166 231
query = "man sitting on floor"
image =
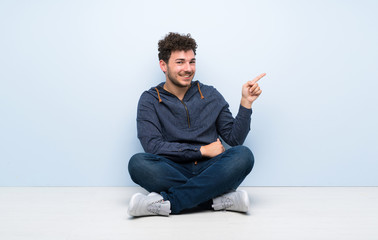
pixel 179 123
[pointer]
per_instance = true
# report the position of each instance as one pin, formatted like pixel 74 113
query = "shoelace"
pixel 154 207
pixel 227 202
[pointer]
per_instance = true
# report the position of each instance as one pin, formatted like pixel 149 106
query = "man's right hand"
pixel 213 149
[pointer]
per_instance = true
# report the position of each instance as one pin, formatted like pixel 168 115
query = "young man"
pixel 179 124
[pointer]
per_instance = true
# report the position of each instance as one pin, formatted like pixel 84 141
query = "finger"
pixel 257 92
pixel 253 87
pixel 258 78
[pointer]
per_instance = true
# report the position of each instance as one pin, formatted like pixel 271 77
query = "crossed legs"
pixel 187 185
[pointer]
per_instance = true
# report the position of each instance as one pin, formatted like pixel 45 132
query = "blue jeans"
pixel 188 185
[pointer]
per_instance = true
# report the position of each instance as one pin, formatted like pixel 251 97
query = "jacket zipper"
pixel 186 109
pixel 187 112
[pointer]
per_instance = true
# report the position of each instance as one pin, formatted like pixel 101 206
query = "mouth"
pixel 187 76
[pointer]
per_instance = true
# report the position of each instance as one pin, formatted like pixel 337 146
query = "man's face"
pixel 181 68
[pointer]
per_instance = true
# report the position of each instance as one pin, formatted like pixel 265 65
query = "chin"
pixel 179 82
pixel 188 81
pixel 185 83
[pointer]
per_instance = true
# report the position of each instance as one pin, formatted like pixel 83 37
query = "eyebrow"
pixel 183 59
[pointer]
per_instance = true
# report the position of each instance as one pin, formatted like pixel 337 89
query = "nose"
pixel 188 67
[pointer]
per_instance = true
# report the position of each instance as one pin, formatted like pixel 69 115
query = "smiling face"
pixel 180 69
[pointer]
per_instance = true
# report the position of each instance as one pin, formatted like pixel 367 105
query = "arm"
pixel 234 131
pixel 152 140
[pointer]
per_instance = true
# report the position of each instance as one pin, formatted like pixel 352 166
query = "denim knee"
pixel 243 158
pixel 135 165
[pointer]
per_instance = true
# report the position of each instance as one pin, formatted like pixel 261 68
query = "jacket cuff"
pixel 194 153
pixel 244 112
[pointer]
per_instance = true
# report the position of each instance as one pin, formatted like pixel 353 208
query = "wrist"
pixel 245 103
pixel 202 150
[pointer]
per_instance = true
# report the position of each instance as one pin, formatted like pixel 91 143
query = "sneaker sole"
pixel 131 210
pixel 245 199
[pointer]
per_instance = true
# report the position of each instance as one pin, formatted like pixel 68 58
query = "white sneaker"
pixel 152 204
pixel 233 201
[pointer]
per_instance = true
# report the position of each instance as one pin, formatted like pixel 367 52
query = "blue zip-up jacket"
pixel 177 129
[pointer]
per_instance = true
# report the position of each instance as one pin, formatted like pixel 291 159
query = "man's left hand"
pixel 251 91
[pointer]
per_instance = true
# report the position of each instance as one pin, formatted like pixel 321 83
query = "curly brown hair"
pixel 173 42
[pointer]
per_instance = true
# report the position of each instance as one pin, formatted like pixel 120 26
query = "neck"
pixel 179 92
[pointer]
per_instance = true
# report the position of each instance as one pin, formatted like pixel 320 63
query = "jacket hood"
pixel 160 93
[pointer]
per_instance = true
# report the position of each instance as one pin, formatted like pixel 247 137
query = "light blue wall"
pixel 72 72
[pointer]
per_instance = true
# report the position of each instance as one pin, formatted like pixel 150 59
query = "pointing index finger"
pixel 258 78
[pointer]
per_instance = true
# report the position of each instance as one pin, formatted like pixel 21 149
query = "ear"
pixel 163 66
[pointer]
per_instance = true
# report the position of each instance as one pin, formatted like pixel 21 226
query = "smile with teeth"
pixel 186 76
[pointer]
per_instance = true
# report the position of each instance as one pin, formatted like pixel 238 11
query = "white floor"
pixel 276 213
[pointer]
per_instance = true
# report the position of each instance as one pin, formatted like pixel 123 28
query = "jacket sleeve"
pixel 234 130
pixel 153 141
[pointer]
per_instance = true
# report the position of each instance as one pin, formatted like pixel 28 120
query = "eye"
pixel 179 62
